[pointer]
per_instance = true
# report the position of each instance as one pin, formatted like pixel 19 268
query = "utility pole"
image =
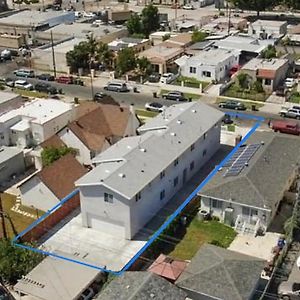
pixel 229 21
pixel 92 86
pixel 2 218
pixel 53 56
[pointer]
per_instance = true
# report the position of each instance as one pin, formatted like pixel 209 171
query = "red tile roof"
pixel 167 267
pixel 54 141
pixel 264 73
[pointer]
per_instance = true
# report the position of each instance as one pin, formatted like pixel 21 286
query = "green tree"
pixel 15 262
pixel 126 61
pixel 79 57
pixel 144 66
pixel 198 36
pixel 256 5
pixel 242 79
pixel 166 37
pixel 134 24
pixel 268 53
pixel 257 86
pixel 149 19
pixel 51 154
pixel 104 55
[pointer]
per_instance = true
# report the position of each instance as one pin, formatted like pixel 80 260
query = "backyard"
pixel 200 232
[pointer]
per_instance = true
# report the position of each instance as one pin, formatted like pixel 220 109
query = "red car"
pixel 286 127
pixel 65 79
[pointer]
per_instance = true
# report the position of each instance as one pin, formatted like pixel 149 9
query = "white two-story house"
pixel 137 176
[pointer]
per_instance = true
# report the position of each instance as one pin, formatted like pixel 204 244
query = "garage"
pixel 109 226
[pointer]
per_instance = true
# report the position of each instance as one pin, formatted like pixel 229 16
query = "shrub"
pixel 215 218
pixel 216 243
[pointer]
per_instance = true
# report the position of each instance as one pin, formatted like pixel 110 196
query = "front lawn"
pixel 236 92
pixel 295 98
pixel 145 113
pixel 33 94
pixel 190 82
pixel 200 232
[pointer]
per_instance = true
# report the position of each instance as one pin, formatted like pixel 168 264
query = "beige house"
pixel 271 72
pixel 12 41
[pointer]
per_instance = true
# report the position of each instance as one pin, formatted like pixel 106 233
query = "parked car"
pixel 154 77
pixel 188 7
pixel 47 77
pixel 155 106
pixel 227 120
pixel 23 85
pixel 24 73
pixel 99 96
pixel 45 88
pixel 167 78
pixel 65 79
pixel 78 81
pixel 87 294
pixel 286 127
pixel 289 290
pixel 231 104
pixel 9 82
pixel 4 294
pixel 290 82
pixel 290 113
pixel 116 87
pixel 174 95
pixel 5 55
pixel 281 92
pixel 89 14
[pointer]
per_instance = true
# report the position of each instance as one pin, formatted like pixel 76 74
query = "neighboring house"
pixel 186 25
pixel 46 188
pixel 266 29
pixel 34 122
pixel 168 267
pixel 140 286
pixel 3 5
pixel 137 176
pixel 159 36
pixel 181 40
pixel 198 47
pixel 119 15
pixel 162 57
pixel 98 129
pixel 11 163
pixel 57 279
pixel 136 44
pixel 211 65
pixel 9 101
pixel 218 273
pixel 247 191
pixel 270 72
pixel 12 41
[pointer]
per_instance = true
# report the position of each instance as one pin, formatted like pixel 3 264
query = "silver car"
pixel 289 290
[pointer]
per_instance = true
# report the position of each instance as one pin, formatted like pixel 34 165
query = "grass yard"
pixel 15 222
pixel 200 232
pixel 248 103
pixel 190 82
pixel 33 94
pixel 295 98
pixel 145 113
pixel 236 92
pixel 186 95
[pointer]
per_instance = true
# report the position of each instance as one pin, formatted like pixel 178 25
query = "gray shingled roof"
pixel 221 273
pixel 263 181
pixel 141 286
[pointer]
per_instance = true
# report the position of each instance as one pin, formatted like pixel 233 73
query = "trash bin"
pixel 76 100
pixel 135 89
pixel 154 95
pixel 190 99
pixel 253 107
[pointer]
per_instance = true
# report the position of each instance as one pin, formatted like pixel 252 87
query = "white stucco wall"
pixel 14 165
pixel 35 193
pixel 5 130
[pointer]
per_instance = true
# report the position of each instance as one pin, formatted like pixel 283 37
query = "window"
pixel 193 70
pixel 162 194
pixel 108 198
pixel 162 174
pixel 138 196
pixel 192 165
pixel 216 204
pixel 176 162
pixel 205 135
pixel 206 74
pixel 268 81
pixel 254 212
pixel 204 152
pixel 245 211
pixel 192 147
pixel 175 181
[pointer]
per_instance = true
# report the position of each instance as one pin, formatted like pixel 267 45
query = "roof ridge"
pixel 147 277
pixel 256 190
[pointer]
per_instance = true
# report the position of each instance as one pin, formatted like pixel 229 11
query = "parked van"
pixel 24 73
pixel 116 87
pixel 286 127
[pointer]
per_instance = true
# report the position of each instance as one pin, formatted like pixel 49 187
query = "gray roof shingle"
pixel 263 182
pixel 221 273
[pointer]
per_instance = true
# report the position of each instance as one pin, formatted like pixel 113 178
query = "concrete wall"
pixel 21 139
pixel 11 103
pixel 12 41
pixel 14 165
pixel 135 214
pixel 5 130
pixel 35 193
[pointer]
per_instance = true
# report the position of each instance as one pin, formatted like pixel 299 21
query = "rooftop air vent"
pixel 173 134
pixel 262 142
pixel 194 111
pixel 122 175
pixel 143 150
pixel 179 122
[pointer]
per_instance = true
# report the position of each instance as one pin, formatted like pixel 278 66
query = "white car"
pixel 89 15
pixel 188 7
pixel 23 85
pixel 155 106
pixel 78 14
pixel 167 78
pixel 290 82
pixel 289 290
pixel 98 22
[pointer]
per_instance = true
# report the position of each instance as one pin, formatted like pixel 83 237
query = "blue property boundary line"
pixel 258 120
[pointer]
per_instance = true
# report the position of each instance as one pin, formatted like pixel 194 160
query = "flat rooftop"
pixel 81 30
pixel 7 153
pixel 63 47
pixel 33 17
pixel 159 52
pixel 6 96
pixel 260 63
pixel 39 111
pixel 268 23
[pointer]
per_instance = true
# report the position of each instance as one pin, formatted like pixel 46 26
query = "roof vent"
pixel 101 180
pixel 143 150
pixel 262 142
pixel 107 171
pixel 173 134
pixel 179 122
pixel 246 164
pixel 194 111
pixel 127 287
pixel 152 295
pixel 122 175
pixel 142 171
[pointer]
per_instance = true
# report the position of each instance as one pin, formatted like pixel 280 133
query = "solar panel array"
pixel 240 159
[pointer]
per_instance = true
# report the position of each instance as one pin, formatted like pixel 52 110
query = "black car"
pixel 174 95
pixel 45 88
pixel 231 104
pixel 99 96
pixel 154 77
pixel 47 77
